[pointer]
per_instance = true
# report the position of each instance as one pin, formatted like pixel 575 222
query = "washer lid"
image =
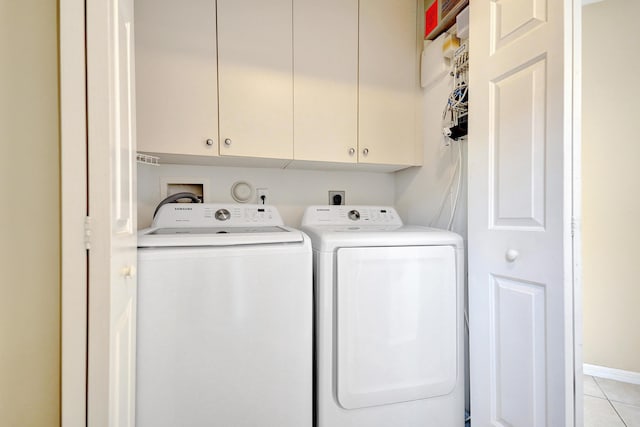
pixel 194 231
pixel 217 236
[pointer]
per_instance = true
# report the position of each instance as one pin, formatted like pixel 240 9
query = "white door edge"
pixel 112 199
pixel 74 202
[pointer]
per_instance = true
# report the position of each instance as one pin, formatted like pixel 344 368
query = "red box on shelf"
pixel 439 15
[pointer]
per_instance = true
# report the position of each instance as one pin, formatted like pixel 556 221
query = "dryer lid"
pixel 332 227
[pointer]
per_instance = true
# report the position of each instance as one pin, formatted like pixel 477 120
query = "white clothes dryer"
pixel 389 320
pixel 224 327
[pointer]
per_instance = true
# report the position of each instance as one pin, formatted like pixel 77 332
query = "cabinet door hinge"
pixel 87 232
pixel 575 226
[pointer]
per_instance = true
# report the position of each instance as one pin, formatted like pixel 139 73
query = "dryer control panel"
pixel 350 215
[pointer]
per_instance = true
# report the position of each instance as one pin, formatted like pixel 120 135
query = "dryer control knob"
pixel 222 215
pixel 354 215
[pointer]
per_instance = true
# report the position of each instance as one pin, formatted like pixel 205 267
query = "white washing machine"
pixel 389 320
pixel 224 335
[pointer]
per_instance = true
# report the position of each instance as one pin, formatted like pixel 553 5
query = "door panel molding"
pixel 519 362
pixel 509 23
pixel 517 151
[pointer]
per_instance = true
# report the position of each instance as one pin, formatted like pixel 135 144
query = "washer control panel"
pixel 216 215
pixel 350 215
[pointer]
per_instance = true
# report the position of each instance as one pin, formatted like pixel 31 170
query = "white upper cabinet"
pixel 325 86
pixel 258 81
pixel 388 82
pixel 177 105
pixel 255 66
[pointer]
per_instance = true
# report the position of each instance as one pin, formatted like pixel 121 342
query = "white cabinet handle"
pixel 512 255
pixel 209 142
pixel 365 151
pixel 352 151
pixel 228 141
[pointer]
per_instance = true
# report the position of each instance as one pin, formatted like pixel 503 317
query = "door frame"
pixel 74 203
pixel 576 209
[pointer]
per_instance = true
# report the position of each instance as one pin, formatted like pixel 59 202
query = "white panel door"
pixel 520 247
pixel 325 85
pixel 112 208
pixel 255 76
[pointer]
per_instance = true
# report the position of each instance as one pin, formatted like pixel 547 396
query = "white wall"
pixel 289 190
pixel 611 198
pixel 30 242
pixel 420 191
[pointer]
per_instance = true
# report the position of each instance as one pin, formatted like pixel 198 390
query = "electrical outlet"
pixel 336 197
pixel 262 196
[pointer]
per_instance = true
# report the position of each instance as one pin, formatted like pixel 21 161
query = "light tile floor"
pixel 609 403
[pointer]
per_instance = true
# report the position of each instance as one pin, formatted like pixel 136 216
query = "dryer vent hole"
pixel 197 189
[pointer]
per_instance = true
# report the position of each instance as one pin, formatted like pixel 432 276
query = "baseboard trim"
pixel 611 373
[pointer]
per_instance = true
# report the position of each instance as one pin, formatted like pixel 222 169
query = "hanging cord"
pixel 458 187
pixel 456 177
pixel 175 197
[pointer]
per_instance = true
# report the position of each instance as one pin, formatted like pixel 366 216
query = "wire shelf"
pixel 146 159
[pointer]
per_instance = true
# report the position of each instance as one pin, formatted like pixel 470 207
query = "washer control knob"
pixel 222 215
pixel 354 215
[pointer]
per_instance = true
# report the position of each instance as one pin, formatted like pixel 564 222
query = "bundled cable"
pixel 455 113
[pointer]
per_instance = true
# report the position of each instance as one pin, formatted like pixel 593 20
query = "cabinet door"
pixel 177 106
pixel 388 79
pixel 255 78
pixel 325 90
